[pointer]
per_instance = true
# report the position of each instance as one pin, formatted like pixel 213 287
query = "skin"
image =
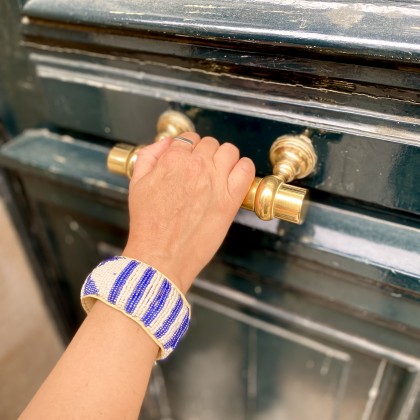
pixel 182 200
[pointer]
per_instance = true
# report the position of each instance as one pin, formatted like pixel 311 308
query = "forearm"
pixel 176 189
pixel 103 373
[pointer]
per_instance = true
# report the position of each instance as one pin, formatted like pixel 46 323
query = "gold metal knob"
pixel 123 156
pixel 292 157
pixel 270 198
pixel 172 124
pixel 121 159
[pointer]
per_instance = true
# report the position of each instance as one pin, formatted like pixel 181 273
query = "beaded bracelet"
pixel 142 293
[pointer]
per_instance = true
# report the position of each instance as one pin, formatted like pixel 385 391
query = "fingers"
pixel 185 145
pixel 240 179
pixel 240 173
pixel 226 157
pixel 148 157
pixel 207 146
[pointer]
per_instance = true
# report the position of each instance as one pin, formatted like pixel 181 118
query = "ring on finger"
pixel 185 140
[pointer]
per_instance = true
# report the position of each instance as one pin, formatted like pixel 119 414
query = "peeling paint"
pixel 73 225
pixel 67 139
pixel 345 17
pixel 59 158
pixel 121 12
pixel 192 12
pixel 96 182
pixel 206 6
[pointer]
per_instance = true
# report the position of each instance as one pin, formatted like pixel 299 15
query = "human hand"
pixel 182 200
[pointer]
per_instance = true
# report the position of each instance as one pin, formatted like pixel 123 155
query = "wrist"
pixel 116 320
pixel 164 263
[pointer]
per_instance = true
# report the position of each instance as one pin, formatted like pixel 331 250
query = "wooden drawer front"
pixel 117 104
pixel 375 29
pixel 111 70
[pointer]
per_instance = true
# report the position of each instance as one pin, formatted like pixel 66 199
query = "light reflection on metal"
pixel 292 156
pixel 123 156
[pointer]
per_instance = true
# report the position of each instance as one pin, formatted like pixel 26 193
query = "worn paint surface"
pixel 386 30
pixel 65 159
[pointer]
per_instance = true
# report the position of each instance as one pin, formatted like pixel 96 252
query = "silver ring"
pixel 184 140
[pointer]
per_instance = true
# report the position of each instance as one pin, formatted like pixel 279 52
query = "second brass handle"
pixel 271 198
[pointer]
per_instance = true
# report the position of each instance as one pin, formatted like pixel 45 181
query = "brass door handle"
pixel 271 197
pixel 292 157
pixel 122 157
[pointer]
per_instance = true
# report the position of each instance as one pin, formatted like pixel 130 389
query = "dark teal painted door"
pixel 319 321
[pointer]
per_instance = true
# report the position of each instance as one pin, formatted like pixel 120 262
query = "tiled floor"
pixel 29 343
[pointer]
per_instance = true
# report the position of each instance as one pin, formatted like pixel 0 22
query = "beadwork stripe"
pixel 157 304
pixel 120 281
pixel 169 321
pixel 148 296
pixel 108 273
pixel 174 327
pixel 141 286
pixel 166 310
pixel 179 333
pixel 90 286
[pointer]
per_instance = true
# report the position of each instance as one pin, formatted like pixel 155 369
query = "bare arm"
pixel 182 201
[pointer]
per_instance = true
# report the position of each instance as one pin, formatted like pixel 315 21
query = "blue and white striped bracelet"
pixel 143 294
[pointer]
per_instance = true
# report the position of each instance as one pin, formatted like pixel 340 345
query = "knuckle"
pixel 144 152
pixel 209 139
pixel 231 148
pixel 198 171
pixel 173 155
pixel 196 165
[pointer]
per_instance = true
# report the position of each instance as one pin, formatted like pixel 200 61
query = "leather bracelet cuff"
pixel 143 294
